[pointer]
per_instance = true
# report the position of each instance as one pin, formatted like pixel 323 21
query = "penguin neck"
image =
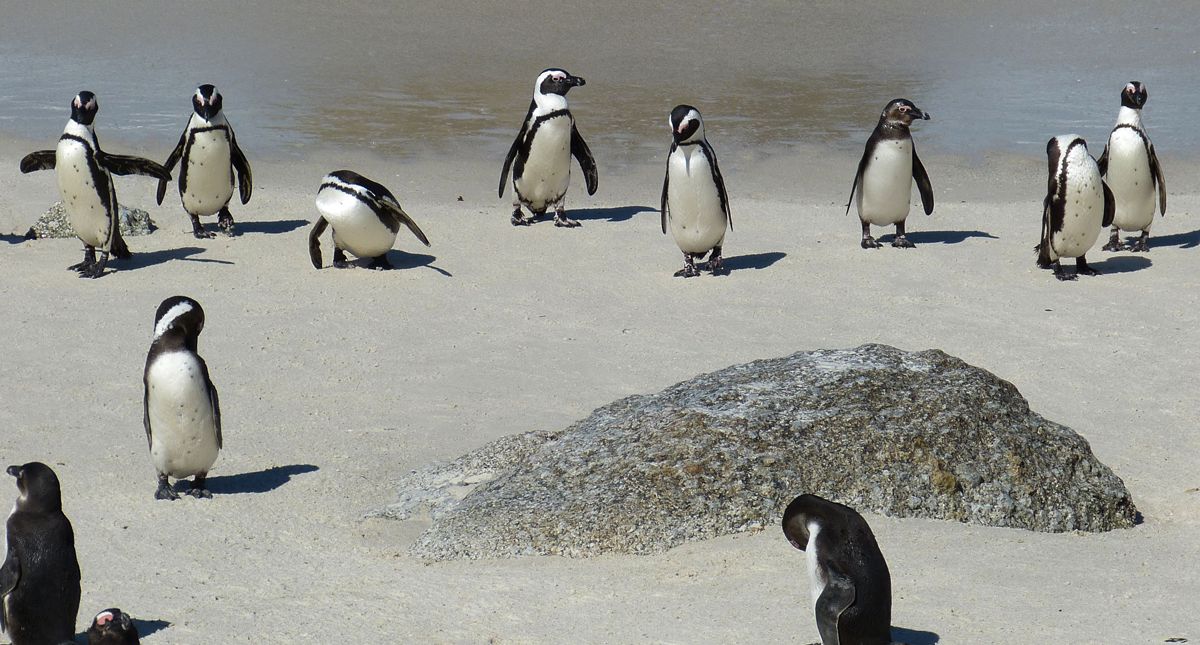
pixel 1129 116
pixel 892 130
pixel 201 122
pixel 547 103
pixel 175 340
pixel 80 130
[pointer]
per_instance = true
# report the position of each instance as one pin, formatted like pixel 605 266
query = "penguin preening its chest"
pixel 365 217
pixel 882 189
pixel 1077 206
pixel 113 627
pixel 210 155
pixel 181 412
pixel 848 575
pixel 39 580
pixel 540 157
pixel 694 202
pixel 86 186
pixel 1130 168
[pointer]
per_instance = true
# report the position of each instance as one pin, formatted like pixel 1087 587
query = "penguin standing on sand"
pixel 1131 170
pixel 86 185
pixel 1077 207
pixel 540 157
pixel 210 155
pixel 882 189
pixel 693 194
pixel 112 627
pixel 181 412
pixel 851 586
pixel 39 581
pixel 365 217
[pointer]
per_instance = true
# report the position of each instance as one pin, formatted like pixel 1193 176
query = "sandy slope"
pixel 333 382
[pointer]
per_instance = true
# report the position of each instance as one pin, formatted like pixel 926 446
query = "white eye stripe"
pixel 172 314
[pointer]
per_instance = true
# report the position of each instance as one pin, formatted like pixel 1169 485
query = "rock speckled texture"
pixel 882 430
pixel 55 223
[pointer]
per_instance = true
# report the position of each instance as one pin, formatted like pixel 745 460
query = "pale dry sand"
pixel 346 379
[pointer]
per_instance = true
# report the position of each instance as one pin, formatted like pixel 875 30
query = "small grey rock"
pixel 55 223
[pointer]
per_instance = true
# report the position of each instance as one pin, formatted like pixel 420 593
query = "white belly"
pixel 547 171
pixel 696 218
pixel 183 426
pixel 209 173
pixel 1130 180
pixel 87 214
pixel 1083 213
pixel 816 577
pixel 885 190
pixel 356 228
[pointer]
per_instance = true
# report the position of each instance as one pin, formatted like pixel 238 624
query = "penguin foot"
pixel 517 220
pixel 869 242
pixel 902 242
pixel 1086 270
pixel 1061 273
pixel 1142 245
pixel 225 222
pixel 201 234
pixel 380 263
pixel 82 267
pixel 164 490
pixel 716 266
pixel 688 271
pixel 562 221
pixel 339 259
pixel 1114 244
pixel 199 493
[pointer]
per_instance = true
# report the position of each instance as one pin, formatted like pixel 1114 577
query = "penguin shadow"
pixel 914 636
pixel 939 237
pixel 271 227
pixel 1121 264
pixel 1189 240
pixel 143 259
pixel 144 628
pixel 260 481
pixel 12 238
pixel 404 260
pixel 611 214
pixel 752 260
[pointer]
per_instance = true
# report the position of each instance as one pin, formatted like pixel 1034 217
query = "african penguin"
pixel 112 627
pixel 540 157
pixel 86 186
pixel 1078 205
pixel 182 414
pixel 849 579
pixel 365 217
pixel 1131 170
pixel 210 155
pixel 693 194
pixel 882 188
pixel 39 581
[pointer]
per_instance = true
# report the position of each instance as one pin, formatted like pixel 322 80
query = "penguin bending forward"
pixel 365 217
pixel 693 194
pixel 181 412
pixel 210 155
pixel 113 627
pixel 1131 170
pixel 39 581
pixel 1077 207
pixel 882 188
pixel 851 586
pixel 86 186
pixel 540 157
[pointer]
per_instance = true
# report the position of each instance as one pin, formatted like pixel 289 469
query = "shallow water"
pixel 455 78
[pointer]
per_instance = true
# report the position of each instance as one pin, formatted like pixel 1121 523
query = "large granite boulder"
pixel 55 223
pixel 905 434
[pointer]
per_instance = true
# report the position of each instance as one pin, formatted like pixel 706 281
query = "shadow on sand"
pixel 1188 240
pixel 914 637
pixel 404 260
pixel 143 259
pixel 260 481
pixel 939 237
pixel 752 260
pixel 12 238
pixel 1121 264
pixel 271 227
pixel 612 214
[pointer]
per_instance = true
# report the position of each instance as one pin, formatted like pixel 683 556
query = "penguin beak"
pixel 575 81
pixel 15 471
pixel 921 115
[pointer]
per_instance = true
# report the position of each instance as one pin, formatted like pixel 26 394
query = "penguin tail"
pixel 120 249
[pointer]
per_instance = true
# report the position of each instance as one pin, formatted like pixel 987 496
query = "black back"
pixel 39 580
pixel 117 629
pixel 856 604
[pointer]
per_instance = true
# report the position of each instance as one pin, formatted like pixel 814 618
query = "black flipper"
pixel 923 185
pixel 579 149
pixel 662 205
pixel 314 241
pixel 835 599
pixel 10 574
pixel 1156 171
pixel 1043 247
pixel 245 179
pixel 1110 206
pixel 40 160
pixel 1102 162
pixel 862 165
pixel 214 402
pixel 169 165
pixel 397 212
pixel 126 165
pixel 512 151
pixel 717 179
pixel 146 409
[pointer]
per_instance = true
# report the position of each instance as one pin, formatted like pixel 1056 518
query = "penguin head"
pixel 179 315
pixel 555 81
pixel 1134 95
pixel 38 487
pixel 207 102
pixel 796 519
pixel 84 108
pixel 901 112
pixel 686 124
pixel 112 626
